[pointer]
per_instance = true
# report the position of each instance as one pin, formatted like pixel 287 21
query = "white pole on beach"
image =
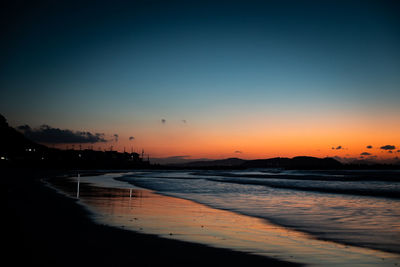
pixel 79 180
pixel 130 198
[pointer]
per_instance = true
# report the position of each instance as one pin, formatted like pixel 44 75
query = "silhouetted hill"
pixel 301 162
pixel 17 151
pixel 266 163
pixel 176 160
pixel 230 162
pixel 13 142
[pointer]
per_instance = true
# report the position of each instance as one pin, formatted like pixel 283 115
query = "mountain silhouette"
pixel 300 162
pixel 230 162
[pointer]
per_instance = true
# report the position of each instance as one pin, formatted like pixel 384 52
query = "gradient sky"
pixel 262 78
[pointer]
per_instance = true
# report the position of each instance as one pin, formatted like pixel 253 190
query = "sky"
pixel 205 79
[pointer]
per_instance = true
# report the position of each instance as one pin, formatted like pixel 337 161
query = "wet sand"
pixel 44 228
pixel 142 210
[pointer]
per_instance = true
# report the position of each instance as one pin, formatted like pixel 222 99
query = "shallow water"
pixel 295 201
pixel 178 218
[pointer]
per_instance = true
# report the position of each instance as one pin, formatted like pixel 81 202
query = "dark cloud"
pixel 338 147
pixel 50 135
pixel 398 150
pixel 184 121
pixel 116 136
pixel 238 152
pixel 24 127
pixel 369 147
pixel 163 121
pixel 131 138
pixel 365 154
pixel 388 147
pixel 390 151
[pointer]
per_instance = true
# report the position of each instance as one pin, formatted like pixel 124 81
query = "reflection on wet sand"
pixel 148 212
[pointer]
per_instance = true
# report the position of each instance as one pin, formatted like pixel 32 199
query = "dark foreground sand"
pixel 43 228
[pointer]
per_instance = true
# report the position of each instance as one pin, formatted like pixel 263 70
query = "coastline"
pixel 109 202
pixel 45 228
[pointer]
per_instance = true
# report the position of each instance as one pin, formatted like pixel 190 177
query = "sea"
pixel 347 208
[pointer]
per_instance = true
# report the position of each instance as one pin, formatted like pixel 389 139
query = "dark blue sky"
pixel 105 64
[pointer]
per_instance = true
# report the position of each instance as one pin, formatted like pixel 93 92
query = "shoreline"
pixel 151 212
pixel 45 228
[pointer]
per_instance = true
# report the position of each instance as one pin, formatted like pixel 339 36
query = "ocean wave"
pixel 332 210
pixel 382 190
pixel 338 175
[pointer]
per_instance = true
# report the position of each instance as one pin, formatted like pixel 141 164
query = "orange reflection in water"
pixel 181 219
